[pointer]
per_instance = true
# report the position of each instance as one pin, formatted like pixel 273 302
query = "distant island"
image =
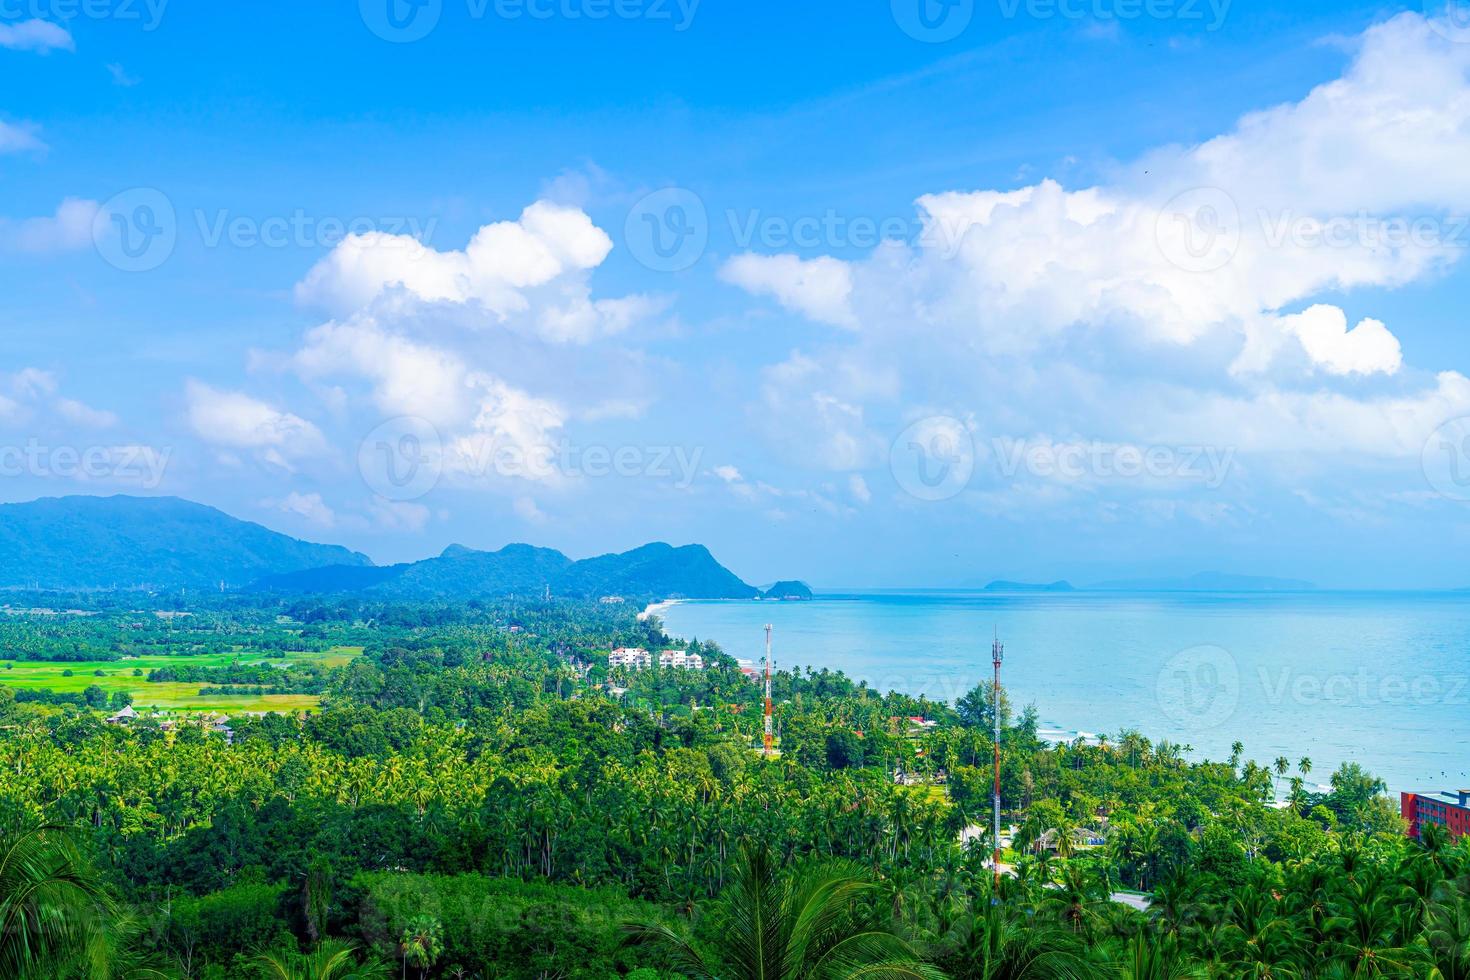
pixel 1004 586
pixel 788 590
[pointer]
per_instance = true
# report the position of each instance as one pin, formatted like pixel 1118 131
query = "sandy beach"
pixel 657 607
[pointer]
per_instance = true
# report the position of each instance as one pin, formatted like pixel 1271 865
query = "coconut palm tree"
pixel 1282 767
pixel 1000 941
pixel 793 926
pixel 1156 958
pixel 332 960
pixel 53 908
pixel 1447 921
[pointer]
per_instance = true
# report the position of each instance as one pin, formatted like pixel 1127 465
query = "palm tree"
pixel 1158 959
pixel 1447 931
pixel 53 908
pixel 791 926
pixel 1078 899
pixel 1304 766
pixel 422 943
pixel 332 960
pixel 1002 942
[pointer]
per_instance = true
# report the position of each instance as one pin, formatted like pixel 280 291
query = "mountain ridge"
pixel 121 541
pixel 656 570
pixel 100 543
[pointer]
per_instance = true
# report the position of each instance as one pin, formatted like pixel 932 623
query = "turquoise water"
pixel 1378 678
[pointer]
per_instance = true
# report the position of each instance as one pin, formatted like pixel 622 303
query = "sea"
pixel 1381 679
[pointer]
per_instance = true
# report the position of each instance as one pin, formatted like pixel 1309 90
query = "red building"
pixel 1450 810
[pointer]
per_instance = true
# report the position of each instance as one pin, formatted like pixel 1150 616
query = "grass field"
pixel 117 675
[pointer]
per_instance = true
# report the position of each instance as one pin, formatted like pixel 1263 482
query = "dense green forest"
pixel 479 795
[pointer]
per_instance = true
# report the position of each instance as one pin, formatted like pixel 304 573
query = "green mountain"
pixel 145 542
pixel 658 571
pixel 655 570
pixel 66 543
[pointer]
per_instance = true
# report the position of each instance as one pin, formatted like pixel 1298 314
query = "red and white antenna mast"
pixel 770 739
pixel 997 652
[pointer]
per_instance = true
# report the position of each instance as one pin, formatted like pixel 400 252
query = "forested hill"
pixel 162 543
pixel 145 542
pixel 653 571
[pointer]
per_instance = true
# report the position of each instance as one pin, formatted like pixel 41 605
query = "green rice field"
pixel 117 675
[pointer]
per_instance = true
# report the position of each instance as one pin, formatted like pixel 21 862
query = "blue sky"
pixel 1050 288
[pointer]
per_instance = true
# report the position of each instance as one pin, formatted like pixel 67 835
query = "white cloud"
pixel 527 511
pixel 398 515
pixel 487 428
pixel 120 76
pixel 728 473
pixel 17 138
pixel 306 505
pixel 1048 309
pixel 1368 348
pixel 82 414
pixel 819 288
pixel 530 272
pixel 33 382
pixel 408 378
pixel 815 414
pixel 858 488
pixel 513 435
pixel 70 228
pixel 234 420
pixel 36 35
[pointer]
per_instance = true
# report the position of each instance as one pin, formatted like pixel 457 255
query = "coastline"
pixel 654 608
pixel 920 643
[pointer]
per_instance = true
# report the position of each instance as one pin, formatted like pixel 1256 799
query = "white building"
pixel 634 658
pixel 679 658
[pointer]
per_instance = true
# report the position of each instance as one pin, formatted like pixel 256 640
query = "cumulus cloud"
pixel 418 332
pixel 485 428
pixel 1368 348
pixel 70 228
pixel 530 272
pixel 527 510
pixel 85 415
pixel 308 506
pixel 32 392
pixel 236 421
pixel 1044 308
pixel 819 288
pixel 37 35
pixel 19 137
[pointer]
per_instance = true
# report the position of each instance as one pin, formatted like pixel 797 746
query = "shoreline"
pixel 654 608
pixel 868 650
